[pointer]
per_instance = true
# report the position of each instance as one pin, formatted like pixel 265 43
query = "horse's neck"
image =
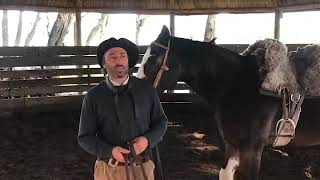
pixel 215 74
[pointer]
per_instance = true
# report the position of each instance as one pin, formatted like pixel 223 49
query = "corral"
pixel 41 89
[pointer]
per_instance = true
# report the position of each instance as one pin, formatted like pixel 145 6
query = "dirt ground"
pixel 44 146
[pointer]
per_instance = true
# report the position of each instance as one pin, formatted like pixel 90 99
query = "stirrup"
pixel 282 128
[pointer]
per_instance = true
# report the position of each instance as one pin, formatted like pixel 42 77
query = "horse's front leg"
pixel 231 162
pixel 250 159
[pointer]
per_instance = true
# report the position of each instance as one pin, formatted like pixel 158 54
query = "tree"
pixel 18 36
pixel 210 28
pixel 102 24
pixel 5 28
pixel 140 20
pixel 33 30
pixel 60 29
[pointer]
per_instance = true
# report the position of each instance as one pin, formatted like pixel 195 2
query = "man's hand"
pixel 140 144
pixel 118 152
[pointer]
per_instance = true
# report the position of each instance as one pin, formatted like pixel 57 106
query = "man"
pixel 121 112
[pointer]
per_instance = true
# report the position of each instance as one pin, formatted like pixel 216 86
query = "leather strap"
pixel 132 158
pixel 138 160
pixel 164 62
pixel 291 109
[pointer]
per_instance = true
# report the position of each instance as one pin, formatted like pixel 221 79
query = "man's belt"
pixel 113 162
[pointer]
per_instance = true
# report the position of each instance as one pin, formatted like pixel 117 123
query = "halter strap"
pixel 164 62
pixel 160 45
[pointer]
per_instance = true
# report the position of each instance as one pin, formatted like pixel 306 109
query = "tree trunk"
pixel 102 24
pixel 18 36
pixel 140 20
pixel 210 28
pixel 33 30
pixel 47 25
pixel 60 29
pixel 5 28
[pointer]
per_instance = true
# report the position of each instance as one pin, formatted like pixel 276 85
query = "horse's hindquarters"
pixel 308 128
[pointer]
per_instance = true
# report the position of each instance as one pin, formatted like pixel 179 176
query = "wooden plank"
pixel 48 72
pixel 91 60
pixel 12 104
pixel 142 49
pixel 47 51
pixel 38 73
pixel 65 81
pixel 54 51
pixel 181 86
pixel 86 50
pixel 294 47
pixel 180 98
pixel 241 47
pixel 40 90
pixel 47 61
pixel 235 47
pixel 46 82
pixel 58 101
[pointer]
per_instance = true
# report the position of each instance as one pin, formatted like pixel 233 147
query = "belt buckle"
pixel 113 163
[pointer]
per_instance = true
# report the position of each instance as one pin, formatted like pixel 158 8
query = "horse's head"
pixel 159 56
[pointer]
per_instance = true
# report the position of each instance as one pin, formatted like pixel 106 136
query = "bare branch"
pixel 210 28
pixel 102 24
pixel 18 36
pixel 33 30
pixel 140 20
pixel 60 29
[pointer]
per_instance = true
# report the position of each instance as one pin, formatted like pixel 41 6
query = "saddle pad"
pixel 274 67
pixel 306 64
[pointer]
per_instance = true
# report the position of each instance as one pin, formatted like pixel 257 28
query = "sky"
pixel 299 27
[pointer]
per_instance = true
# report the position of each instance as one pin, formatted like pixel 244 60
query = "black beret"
pixel 128 46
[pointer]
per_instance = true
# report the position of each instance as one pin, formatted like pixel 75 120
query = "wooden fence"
pixel 60 76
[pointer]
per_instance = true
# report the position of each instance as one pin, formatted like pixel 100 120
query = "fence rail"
pixel 37 76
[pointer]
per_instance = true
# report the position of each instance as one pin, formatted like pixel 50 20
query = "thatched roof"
pixel 162 6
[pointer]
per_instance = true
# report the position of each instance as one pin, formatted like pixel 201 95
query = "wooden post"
pixel 172 34
pixel 78 28
pixel 89 74
pixel 172 24
pixel 278 16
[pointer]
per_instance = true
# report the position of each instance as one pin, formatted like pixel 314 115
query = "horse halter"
pixel 163 66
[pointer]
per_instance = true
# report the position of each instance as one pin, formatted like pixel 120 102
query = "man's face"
pixel 116 62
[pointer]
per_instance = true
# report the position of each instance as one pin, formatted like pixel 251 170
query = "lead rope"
pixel 131 160
pixel 155 84
pixel 138 160
pixel 126 160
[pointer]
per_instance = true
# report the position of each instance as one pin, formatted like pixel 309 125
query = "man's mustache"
pixel 119 65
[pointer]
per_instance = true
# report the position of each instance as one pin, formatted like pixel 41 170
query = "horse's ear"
pixel 164 32
pixel 213 41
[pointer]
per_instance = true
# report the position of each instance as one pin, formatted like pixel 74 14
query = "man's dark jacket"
pixel 111 117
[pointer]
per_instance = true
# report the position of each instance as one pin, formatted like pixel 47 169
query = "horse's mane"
pixel 196 48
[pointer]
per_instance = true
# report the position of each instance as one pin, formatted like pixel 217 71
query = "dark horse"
pixel 230 84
